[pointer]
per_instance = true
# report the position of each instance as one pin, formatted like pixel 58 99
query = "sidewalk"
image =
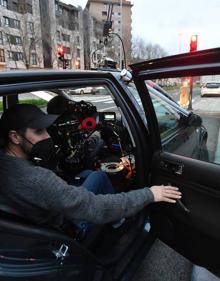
pixel 206 106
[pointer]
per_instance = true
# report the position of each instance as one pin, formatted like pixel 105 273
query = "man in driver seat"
pixel 40 195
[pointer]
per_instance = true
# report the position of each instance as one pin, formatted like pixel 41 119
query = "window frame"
pixel 2 55
pixel 1 38
pixel 34 59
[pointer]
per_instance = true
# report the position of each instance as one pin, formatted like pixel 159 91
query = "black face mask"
pixel 43 150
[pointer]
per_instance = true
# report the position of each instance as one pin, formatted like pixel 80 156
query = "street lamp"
pixel 123 62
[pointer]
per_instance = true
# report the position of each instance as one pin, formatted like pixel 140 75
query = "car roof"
pixel 11 78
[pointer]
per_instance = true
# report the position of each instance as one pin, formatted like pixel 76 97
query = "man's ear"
pixel 14 137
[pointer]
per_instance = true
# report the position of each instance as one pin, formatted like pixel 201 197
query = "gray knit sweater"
pixel 38 194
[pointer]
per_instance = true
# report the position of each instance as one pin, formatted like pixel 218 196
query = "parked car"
pixel 81 91
pixel 163 144
pixel 211 88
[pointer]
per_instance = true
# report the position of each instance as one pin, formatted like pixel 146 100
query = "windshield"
pixel 213 85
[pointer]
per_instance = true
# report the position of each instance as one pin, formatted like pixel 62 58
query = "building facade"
pixel 121 25
pixel 32 30
pixel 63 27
pixel 93 40
pixel 20 35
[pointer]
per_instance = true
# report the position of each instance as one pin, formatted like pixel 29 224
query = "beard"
pixel 26 148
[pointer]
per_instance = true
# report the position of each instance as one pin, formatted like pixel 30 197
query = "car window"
pixel 38 98
pixel 90 131
pixel 195 132
pixel 99 95
pixel 167 116
pixel 180 132
pixel 212 85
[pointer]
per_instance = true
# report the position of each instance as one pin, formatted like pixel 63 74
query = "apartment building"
pixel 32 30
pixel 93 40
pixel 121 24
pixel 20 35
pixel 63 27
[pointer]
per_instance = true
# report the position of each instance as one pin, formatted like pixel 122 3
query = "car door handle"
pixel 178 170
pixel 182 206
pixel 171 167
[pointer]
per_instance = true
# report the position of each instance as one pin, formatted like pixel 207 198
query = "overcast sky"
pixel 170 23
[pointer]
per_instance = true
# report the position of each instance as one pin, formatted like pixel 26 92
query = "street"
pixel 102 102
pixel 175 94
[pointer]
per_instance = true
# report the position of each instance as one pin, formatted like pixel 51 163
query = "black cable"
pixel 123 66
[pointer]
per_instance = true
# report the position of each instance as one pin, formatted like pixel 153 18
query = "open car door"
pixel 192 226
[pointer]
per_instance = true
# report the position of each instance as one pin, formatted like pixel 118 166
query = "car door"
pixel 114 249
pixel 192 226
pixel 31 252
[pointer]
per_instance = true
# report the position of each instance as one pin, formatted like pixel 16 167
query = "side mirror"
pixel 194 120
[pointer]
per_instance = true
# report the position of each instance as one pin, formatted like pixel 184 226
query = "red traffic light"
pixel 60 52
pixel 193 43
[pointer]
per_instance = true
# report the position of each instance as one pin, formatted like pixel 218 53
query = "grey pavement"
pixel 164 264
pixel 207 105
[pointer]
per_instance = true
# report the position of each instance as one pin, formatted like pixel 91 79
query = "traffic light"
pixel 60 52
pixel 193 43
pixel 106 28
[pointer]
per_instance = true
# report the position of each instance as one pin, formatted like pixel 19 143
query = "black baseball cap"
pixel 22 116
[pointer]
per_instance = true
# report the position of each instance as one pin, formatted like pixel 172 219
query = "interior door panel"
pixel 31 252
pixel 192 226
